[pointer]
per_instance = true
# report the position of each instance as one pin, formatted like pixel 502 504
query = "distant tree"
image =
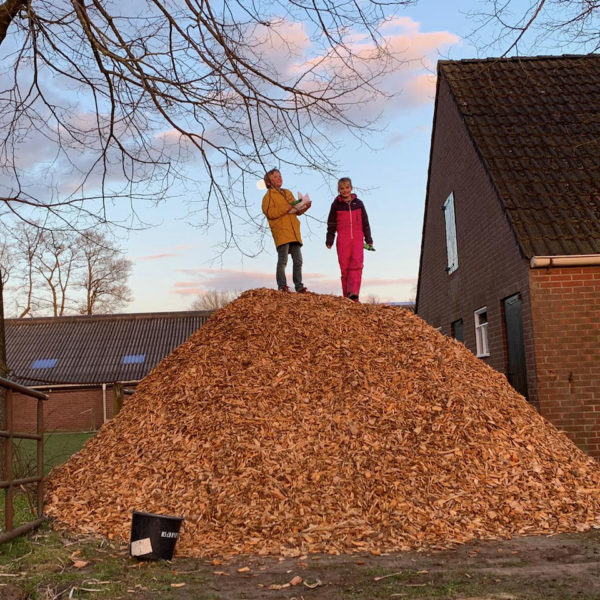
pixel 63 272
pixel 103 275
pixel 214 299
pixel 24 243
pixel 54 264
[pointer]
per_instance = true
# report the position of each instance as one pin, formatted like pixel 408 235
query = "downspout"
pixel 103 403
pixel 573 260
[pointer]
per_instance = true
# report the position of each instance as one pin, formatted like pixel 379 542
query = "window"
pixel 457 330
pixel 481 332
pixel 134 359
pixel 44 363
pixel 451 248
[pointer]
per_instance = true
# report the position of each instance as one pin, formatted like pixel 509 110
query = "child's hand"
pixel 328 246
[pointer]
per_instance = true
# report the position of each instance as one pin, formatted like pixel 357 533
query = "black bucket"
pixel 153 536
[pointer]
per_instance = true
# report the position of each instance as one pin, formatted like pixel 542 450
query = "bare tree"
pixel 214 299
pixel 104 275
pixel 525 27
pixel 372 299
pixel 23 248
pixel 54 266
pixel 63 272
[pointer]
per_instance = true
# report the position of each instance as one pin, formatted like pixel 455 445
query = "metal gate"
pixel 9 484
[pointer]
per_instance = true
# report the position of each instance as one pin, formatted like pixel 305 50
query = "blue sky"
pixel 174 263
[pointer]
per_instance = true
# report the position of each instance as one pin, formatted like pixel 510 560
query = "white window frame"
pixel 481 333
pixel 451 245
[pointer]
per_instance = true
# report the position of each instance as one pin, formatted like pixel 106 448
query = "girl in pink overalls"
pixel 348 218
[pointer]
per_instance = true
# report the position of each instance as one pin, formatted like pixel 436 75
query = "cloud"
pixel 173 252
pixel 158 256
pixel 410 81
pixel 199 281
pixel 393 281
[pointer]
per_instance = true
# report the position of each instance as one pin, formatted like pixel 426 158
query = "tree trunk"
pixel 8 11
pixel 3 373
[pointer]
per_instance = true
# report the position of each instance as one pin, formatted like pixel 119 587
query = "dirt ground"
pixel 561 567
pixel 551 568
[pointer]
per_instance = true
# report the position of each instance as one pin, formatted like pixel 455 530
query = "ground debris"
pixel 304 423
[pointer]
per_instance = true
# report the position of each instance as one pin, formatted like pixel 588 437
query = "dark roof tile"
pixel 90 349
pixel 536 124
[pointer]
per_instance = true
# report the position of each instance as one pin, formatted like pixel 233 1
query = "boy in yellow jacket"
pixel 277 206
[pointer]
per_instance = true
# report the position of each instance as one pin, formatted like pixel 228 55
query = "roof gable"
pixel 94 349
pixel 536 125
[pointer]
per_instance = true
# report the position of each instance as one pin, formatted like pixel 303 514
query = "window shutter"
pixel 451 247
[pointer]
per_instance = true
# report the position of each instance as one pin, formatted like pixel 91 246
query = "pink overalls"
pixel 349 220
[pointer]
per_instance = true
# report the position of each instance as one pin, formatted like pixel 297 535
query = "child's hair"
pixel 344 180
pixel 267 177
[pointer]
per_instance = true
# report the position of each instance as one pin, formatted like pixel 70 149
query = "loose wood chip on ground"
pixel 296 423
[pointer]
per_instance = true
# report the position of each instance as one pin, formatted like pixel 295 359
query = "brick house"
pixel 510 251
pixel 85 362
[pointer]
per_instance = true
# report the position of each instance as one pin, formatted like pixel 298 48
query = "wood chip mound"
pixel 295 423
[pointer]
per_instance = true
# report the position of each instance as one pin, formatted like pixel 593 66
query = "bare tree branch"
pixel 548 24
pixel 128 102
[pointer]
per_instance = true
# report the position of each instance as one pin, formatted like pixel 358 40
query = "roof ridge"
pixel 492 59
pixel 107 317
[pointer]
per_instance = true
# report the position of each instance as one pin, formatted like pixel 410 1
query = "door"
pixel 517 369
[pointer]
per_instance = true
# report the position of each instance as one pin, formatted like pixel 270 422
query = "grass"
pixel 58 447
pixel 48 564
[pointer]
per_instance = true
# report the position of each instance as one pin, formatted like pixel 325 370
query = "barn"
pixel 86 363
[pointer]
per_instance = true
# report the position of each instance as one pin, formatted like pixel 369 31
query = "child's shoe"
pixel 284 288
pixel 353 297
pixel 302 290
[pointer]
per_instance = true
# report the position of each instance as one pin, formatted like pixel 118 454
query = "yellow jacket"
pixel 285 226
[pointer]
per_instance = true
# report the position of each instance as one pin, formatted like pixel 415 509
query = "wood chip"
pixel 303 423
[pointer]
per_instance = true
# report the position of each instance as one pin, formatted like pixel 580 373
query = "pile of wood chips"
pixel 295 423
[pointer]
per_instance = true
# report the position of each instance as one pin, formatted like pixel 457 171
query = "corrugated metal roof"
pixel 90 349
pixel 536 124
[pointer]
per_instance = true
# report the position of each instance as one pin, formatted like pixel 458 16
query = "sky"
pixel 174 263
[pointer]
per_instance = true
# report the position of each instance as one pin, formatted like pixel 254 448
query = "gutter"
pixel 571 260
pixel 65 386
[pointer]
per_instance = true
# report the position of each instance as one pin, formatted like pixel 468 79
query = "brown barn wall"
pixel 73 409
pixel 490 265
pixel 566 313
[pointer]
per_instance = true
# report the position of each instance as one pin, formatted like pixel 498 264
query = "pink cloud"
pixel 199 281
pixel 408 82
pixel 172 252
pixel 158 256
pixel 396 281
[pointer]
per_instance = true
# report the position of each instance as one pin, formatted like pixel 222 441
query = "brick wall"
pixel 566 313
pixel 491 267
pixel 72 409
